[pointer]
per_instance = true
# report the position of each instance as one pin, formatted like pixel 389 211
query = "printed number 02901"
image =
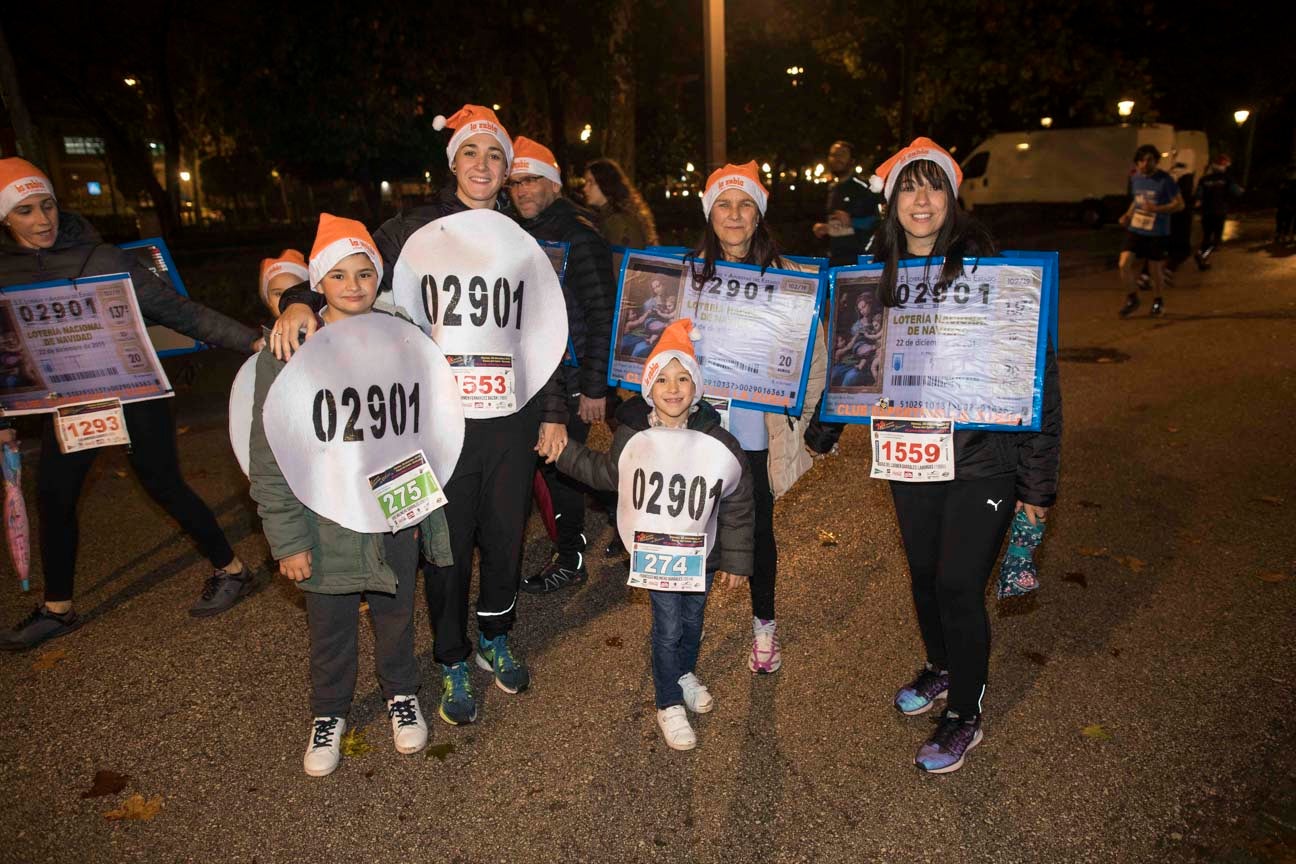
pixel 646 489
pixel 394 411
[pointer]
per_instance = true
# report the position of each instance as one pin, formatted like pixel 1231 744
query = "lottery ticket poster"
pixel 1052 296
pixel 968 352
pixel 557 253
pixel 65 342
pixel 756 329
pixel 153 254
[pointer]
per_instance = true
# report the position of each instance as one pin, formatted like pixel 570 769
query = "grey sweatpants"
pixel 334 621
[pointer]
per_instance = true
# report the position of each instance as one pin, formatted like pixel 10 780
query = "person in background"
pixel 623 216
pixel 535 185
pixel 41 243
pixel 853 209
pixel 1216 192
pixel 280 274
pixel 1285 219
pixel 1154 196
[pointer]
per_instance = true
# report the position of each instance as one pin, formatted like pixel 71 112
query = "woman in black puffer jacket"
pixel 41 244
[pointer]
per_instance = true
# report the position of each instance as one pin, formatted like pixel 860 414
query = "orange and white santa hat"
pixel 471 120
pixel 675 343
pixel 20 179
pixel 532 157
pixel 745 177
pixel 335 239
pixel 289 261
pixel 885 175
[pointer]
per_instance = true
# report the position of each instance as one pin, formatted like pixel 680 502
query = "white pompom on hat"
pixel 745 177
pixel 336 239
pixel 20 179
pixel 471 120
pixel 885 175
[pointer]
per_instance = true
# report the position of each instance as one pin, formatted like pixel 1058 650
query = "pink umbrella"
pixel 15 513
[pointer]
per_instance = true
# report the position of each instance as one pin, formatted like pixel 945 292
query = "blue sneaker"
pixel 944 751
pixel 458 706
pixel 917 696
pixel 494 656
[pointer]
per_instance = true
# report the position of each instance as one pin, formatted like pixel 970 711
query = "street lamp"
pixel 1125 107
pixel 586 133
pixel 1046 122
pixel 1240 117
pixel 130 82
pixel 185 176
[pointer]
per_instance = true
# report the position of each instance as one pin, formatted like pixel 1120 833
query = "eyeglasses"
pixel 523 181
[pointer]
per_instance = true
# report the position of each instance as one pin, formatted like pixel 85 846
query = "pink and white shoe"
pixel 765 655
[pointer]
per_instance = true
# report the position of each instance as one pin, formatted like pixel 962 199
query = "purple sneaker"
pixel 917 696
pixel 944 750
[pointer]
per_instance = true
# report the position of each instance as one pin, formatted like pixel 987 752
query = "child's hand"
pixel 296 567
pixel 553 438
pixel 731 580
pixel 1034 513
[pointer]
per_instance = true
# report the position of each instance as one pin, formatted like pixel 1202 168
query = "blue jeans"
pixel 676 638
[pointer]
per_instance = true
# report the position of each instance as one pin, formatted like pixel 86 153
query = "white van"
pixel 1079 173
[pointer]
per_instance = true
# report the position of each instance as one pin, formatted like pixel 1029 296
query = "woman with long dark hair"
pixel 734 203
pixel 952 530
pixel 623 216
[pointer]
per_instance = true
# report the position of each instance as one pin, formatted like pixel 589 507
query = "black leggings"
pixel 765 559
pixel 952 534
pixel 152 454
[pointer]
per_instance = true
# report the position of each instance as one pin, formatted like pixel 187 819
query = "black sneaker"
pixel 563 570
pixel 40 626
pixel 222 590
pixel 615 548
pixel 1131 303
pixel 1158 305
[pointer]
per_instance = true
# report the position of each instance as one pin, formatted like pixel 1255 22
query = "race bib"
pixel 914 451
pixel 88 425
pixel 407 491
pixel 668 562
pixel 670 484
pixel 357 399
pixel 480 286
pixel 485 382
pixel 1143 220
pixel 242 393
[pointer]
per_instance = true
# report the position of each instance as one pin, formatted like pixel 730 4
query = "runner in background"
pixel 42 244
pixel 1154 196
pixel 1216 192
pixel 953 530
pixel 734 203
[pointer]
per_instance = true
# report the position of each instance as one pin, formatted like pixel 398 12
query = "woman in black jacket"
pixel 952 530
pixel 41 244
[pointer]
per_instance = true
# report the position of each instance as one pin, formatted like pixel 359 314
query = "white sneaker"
pixel 765 655
pixel 675 728
pixel 324 749
pixel 409 729
pixel 696 697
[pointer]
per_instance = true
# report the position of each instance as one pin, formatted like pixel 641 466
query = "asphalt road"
pixel 1140 706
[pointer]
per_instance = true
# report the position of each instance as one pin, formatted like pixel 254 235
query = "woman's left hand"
pixel 1036 514
pixel 553 438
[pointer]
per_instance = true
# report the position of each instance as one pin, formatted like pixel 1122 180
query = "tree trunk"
pixel 907 49
pixel 11 94
pixel 170 121
pixel 621 107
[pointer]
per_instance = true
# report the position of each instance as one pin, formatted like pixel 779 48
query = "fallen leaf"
pixel 49 659
pixel 1104 359
pixel 1115 652
pixel 1096 732
pixel 1135 565
pixel 440 751
pixel 1172 428
pixel 1091 552
pixel 1273 577
pixel 1036 657
pixel 180 430
pixel 121 474
pixel 353 744
pixel 1077 577
pixel 1270 499
pixel 137 809
pixel 827 538
pixel 613 642
pixel 106 783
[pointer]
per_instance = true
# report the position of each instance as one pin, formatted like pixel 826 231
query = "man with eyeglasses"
pixel 535 185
